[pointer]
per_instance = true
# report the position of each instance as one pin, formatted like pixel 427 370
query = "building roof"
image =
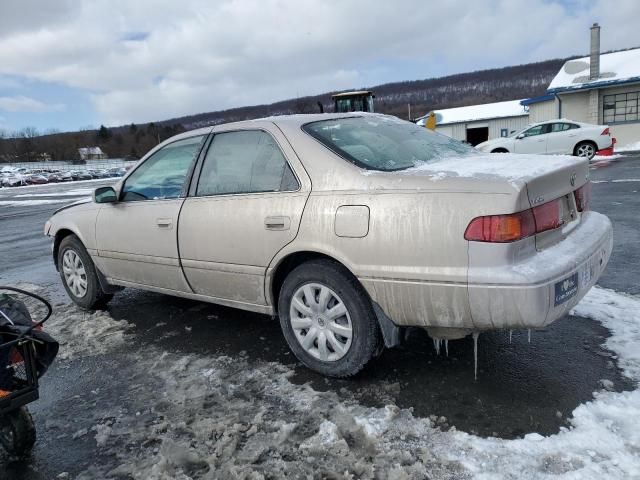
pixel 615 68
pixel 486 111
pixel 355 92
pixel 541 98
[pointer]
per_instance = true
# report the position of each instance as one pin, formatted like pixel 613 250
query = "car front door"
pixel 245 206
pixel 137 236
pixel 532 140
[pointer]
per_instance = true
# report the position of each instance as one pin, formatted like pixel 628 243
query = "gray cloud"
pixel 201 55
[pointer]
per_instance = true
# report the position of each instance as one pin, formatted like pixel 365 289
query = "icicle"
pixel 436 345
pixel 510 333
pixel 475 354
pixel 446 346
pixel 529 336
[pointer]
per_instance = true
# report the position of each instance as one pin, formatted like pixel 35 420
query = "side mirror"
pixel 520 137
pixel 105 195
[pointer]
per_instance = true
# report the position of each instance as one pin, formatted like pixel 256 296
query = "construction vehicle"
pixel 357 101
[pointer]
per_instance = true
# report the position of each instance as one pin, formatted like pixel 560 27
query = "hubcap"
pixel 586 151
pixel 74 273
pixel 321 322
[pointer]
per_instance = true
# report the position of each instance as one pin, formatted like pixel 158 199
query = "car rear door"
pixel 532 140
pixel 561 138
pixel 137 236
pixel 244 206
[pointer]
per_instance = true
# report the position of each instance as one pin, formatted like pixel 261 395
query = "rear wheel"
pixel 17 432
pixel 327 319
pixel 79 276
pixel 585 150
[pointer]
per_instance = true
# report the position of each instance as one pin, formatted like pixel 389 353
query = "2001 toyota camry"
pixel 348 227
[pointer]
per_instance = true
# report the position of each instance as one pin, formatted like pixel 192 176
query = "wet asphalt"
pixel 522 386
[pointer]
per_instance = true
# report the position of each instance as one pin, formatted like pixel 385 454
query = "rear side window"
pixel 245 162
pixel 384 143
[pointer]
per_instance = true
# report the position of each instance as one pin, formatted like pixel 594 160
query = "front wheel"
pixel 17 432
pixel 327 319
pixel 79 275
pixel 585 150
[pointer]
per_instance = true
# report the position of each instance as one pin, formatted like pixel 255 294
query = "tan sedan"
pixel 349 227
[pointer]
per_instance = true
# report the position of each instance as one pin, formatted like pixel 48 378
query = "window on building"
pixel 622 107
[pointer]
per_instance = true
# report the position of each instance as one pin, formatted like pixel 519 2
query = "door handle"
pixel 277 223
pixel 164 223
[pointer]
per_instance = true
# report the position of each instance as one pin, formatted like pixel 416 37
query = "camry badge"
pixel 572 179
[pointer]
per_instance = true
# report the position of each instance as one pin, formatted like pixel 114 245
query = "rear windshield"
pixel 384 143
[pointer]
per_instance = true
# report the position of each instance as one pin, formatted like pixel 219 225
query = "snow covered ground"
pixel 207 416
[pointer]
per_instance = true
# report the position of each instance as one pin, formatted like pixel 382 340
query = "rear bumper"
pixel 536 291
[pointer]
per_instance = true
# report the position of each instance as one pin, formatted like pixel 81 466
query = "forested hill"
pixel 424 95
pixel 483 86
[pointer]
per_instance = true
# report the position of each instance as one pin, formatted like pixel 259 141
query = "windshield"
pixel 384 143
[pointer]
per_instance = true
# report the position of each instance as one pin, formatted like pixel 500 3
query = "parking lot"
pixel 158 387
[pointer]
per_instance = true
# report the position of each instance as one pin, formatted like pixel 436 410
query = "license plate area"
pixel 565 289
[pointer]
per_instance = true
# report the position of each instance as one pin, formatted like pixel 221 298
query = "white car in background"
pixel 554 137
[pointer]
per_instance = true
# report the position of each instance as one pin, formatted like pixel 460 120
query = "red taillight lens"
pixel 605 131
pixel 501 228
pixel 547 216
pixel 516 226
pixel 583 195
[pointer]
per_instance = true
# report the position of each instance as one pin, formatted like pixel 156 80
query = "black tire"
pixel 594 147
pixel 17 432
pixel 366 337
pixel 500 150
pixel 94 296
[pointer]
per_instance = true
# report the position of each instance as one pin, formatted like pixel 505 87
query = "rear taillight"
pixel 582 195
pixel 547 216
pixel 605 131
pixel 501 228
pixel 515 226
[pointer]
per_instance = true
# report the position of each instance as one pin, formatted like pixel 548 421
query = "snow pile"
pixel 79 192
pixel 225 417
pixel 80 333
pixel 25 203
pixel 630 147
pixel 604 441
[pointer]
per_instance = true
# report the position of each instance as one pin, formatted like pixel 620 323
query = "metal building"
pixel 478 123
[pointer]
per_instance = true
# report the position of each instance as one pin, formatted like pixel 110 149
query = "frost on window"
pixel 386 144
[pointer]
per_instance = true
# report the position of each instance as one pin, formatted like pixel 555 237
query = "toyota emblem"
pixel 572 179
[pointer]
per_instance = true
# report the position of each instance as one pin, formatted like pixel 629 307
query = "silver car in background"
pixel 349 227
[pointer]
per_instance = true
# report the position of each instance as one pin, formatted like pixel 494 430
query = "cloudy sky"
pixel 68 64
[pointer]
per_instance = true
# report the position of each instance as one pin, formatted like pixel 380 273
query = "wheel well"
pixel 288 264
pixel 500 150
pixel 60 235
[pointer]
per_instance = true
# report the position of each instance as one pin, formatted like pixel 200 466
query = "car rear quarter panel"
pixel 413 261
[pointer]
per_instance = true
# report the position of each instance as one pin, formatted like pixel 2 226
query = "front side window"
pixel 384 143
pixel 163 175
pixel 533 131
pixel 245 162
